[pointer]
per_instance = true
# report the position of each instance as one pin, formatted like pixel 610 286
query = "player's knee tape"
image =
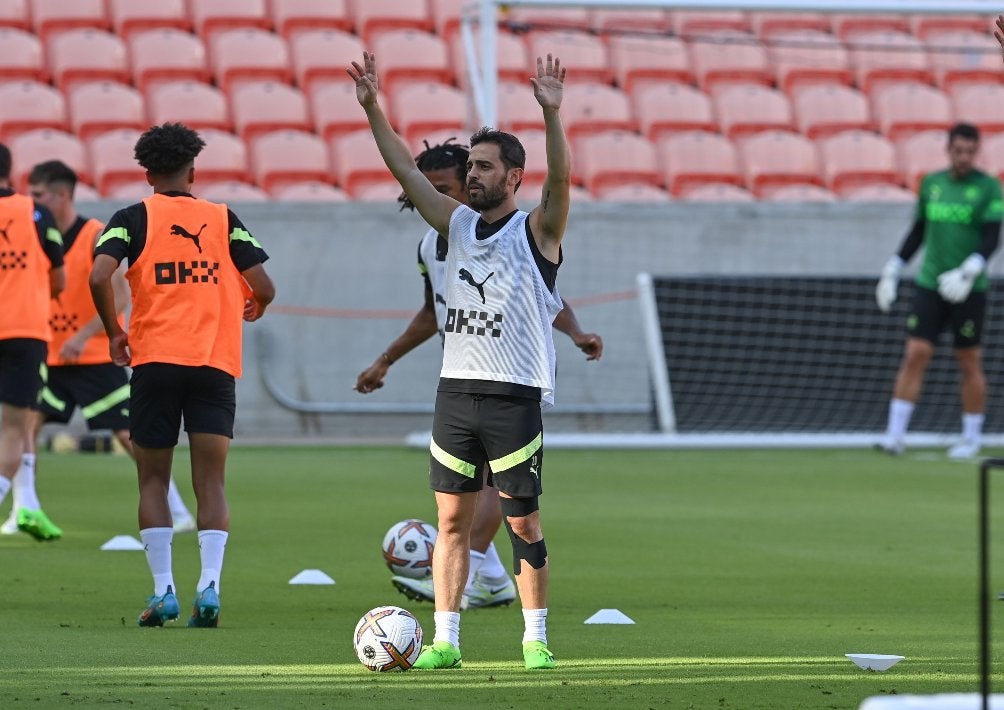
pixel 535 553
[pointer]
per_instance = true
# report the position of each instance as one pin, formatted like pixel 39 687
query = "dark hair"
pixel 440 157
pixel 53 171
pixel 5 162
pixel 169 149
pixel 963 130
pixel 511 151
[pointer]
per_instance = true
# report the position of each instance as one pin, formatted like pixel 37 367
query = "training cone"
pixel 311 576
pixel 874 661
pixel 122 542
pixel 609 616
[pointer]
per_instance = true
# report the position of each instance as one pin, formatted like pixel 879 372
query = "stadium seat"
pixel 309 191
pixel 382 191
pixel 292 16
pixel 52 16
pixel 979 104
pixel 729 57
pixel 335 110
pixel 518 110
pixel 225 157
pixel 855 157
pixel 130 191
pixel 879 192
pixel 773 158
pixel 77 56
pixel 807 57
pixel 908 107
pixel 264 106
pixel 25 105
pixel 104 106
pixel 615 158
pixel 249 55
pixel 21 56
pixel 230 192
pixel 211 16
pixel 925 25
pixel 667 108
pixel 613 21
pixel 446 19
pixel 322 55
pixel 14 13
pixel 375 16
pixel 991 155
pixel 633 192
pixel 749 108
pixel 845 25
pixel 530 194
pixel 921 153
pixel 649 59
pixel 512 60
pixel 879 57
pixel 357 163
pixel 537 19
pixel 685 23
pixel 419 108
pixel 112 161
pixel 193 103
pixel 801 192
pixel 584 55
pixel 698 157
pixel 824 109
pixel 289 156
pixel 718 192
pixel 591 108
pixel 408 56
pixel 767 24
pixel 131 16
pixel 978 60
pixel 535 168
pixel 33 147
pixel 86 193
pixel 166 54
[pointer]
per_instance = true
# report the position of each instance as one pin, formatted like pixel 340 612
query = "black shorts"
pixel 101 391
pixel 930 313
pixel 470 430
pixel 162 393
pixel 21 367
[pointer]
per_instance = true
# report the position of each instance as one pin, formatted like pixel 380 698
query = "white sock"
pixel 175 503
pixel 25 495
pixel 972 427
pixel 536 625
pixel 212 544
pixel 492 570
pixel 477 558
pixel 447 627
pixel 157 543
pixel 4 487
pixel 900 411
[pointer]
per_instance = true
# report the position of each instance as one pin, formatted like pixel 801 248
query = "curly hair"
pixel 439 157
pixel 5 162
pixel 168 149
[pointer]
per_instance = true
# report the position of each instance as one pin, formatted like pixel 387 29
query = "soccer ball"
pixel 388 638
pixel 407 548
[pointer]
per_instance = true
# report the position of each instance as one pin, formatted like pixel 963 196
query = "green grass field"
pixel 749 573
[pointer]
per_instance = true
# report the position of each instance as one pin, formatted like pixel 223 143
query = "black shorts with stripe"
pixel 163 394
pixel 21 367
pixel 470 430
pixel 101 391
pixel 930 314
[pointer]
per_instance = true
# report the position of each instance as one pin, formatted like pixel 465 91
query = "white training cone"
pixel 874 661
pixel 312 576
pixel 941 701
pixel 123 542
pixel 609 616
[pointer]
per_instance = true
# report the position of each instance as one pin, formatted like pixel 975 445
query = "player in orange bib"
pixel 196 274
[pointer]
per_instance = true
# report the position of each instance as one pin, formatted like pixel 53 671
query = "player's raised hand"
pixel 999 33
pixel 549 83
pixel 366 79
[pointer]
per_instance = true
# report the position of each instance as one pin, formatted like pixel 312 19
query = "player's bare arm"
pixel 104 301
pixel 434 207
pixel 57 281
pixel 262 292
pixel 73 347
pixel 421 328
pixel 589 343
pixel 548 219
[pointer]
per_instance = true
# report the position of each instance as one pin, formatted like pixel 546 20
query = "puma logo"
pixel 440 299
pixel 182 232
pixel 465 275
pixel 4 231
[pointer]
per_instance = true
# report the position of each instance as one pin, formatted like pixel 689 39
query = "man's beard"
pixel 488 198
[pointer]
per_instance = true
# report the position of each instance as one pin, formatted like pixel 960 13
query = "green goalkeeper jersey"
pixel 954 212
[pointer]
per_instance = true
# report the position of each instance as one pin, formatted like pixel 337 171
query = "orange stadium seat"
pixel 908 107
pixel 535 168
pixel 825 109
pixel 765 24
pixel 615 158
pixel 375 16
pixel 584 55
pixel 112 161
pixel 518 110
pixel 879 57
pixel 291 16
pixel 309 191
pixel 799 192
pixel 718 192
pixel 21 56
pixel 749 108
pixel 686 23
pixel 167 54
pixel 547 18
pixel 408 56
pixel 33 147
pixel 666 108
pixel 14 13
pixel 322 55
pixel 249 55
pixel 979 104
pixel 649 59
pixel 633 192
pixel 512 59
pixel 225 157
pixel 921 153
pixel 357 163
pixel 991 155
pixel 383 191
pixel 530 194
pixel 879 192
pixel 419 108
pixel 730 57
pixel 697 157
pixel 211 16
pixel 773 158
pixel 592 108
pixel 446 18
pixel 845 25
pixel 629 20
pixel 854 158
pixel 25 105
pixel 264 106
pixel 289 156
pixel 130 191
pixel 807 57
pixel 88 54
pixel 104 106
pixel 130 16
pixel 230 192
pixel 963 56
pixel 85 193
pixel 193 103
pixel 51 16
pixel 924 25
pixel 335 110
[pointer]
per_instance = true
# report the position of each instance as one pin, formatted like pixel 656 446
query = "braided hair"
pixel 438 157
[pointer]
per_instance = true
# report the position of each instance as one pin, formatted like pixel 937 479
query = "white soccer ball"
pixel 407 548
pixel 388 638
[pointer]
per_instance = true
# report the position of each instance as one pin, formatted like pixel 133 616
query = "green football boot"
pixel 536 655
pixel 37 524
pixel 441 654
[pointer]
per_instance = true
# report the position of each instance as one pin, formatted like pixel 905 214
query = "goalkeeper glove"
pixel 885 291
pixel 954 285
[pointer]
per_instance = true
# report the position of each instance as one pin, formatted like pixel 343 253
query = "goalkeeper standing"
pixel 958 222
